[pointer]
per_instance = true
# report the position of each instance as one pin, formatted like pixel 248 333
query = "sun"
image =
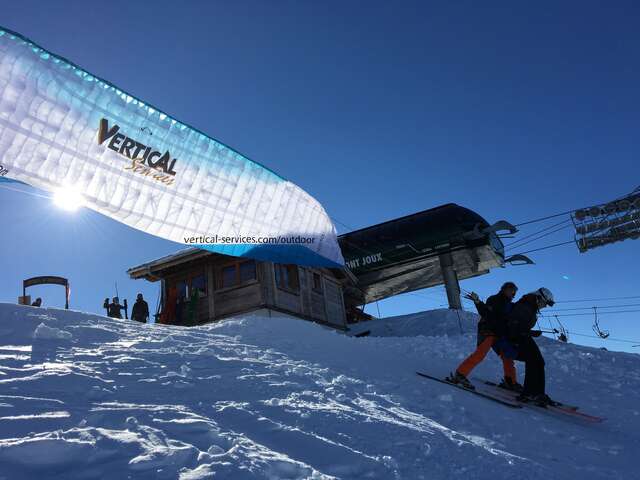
pixel 68 199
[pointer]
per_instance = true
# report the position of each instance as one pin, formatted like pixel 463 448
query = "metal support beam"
pixel 450 281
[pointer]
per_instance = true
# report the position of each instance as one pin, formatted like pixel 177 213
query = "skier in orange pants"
pixel 491 328
pixel 476 357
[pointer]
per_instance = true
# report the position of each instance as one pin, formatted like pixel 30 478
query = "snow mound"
pixel 279 398
pixel 50 333
pixel 432 323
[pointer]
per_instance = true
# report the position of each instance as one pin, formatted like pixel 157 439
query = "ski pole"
pixel 555 330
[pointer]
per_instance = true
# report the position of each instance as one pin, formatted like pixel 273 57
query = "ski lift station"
pixel 439 246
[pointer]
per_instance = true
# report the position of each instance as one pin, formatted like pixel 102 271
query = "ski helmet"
pixel 546 295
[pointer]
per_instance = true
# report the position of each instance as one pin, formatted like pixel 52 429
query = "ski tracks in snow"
pixel 247 398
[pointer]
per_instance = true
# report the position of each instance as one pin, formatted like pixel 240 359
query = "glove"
pixel 473 296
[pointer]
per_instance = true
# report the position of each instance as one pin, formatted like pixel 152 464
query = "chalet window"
pixel 287 277
pixel 317 283
pixel 237 273
pixel 228 276
pixel 182 289
pixel 199 283
pixel 247 271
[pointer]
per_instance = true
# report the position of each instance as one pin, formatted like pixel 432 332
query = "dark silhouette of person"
pixel 113 309
pixel 140 310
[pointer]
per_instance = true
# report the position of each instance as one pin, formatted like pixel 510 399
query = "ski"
pixel 488 396
pixel 513 394
pixel 560 408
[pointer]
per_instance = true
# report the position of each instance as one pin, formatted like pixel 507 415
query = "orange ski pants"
pixel 481 351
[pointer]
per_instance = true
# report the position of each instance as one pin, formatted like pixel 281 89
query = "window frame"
pixel 202 294
pixel 182 281
pixel 237 282
pixel 187 280
pixel 320 289
pixel 289 267
pixel 255 272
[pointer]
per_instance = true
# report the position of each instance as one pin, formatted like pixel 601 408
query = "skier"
pixel 520 322
pixel 492 327
pixel 113 309
pixel 140 310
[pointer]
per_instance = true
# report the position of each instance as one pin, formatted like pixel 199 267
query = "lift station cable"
pixel 539 237
pixel 591 314
pixel 547 247
pixel 628 305
pixel 597 299
pixel 545 218
pixel 537 232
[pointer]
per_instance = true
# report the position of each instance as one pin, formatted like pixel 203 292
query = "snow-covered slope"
pixel 83 396
pixel 430 323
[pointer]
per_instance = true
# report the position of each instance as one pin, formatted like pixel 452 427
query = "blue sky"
pixel 513 109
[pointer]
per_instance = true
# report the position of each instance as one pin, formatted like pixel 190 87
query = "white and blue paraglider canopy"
pixel 65 130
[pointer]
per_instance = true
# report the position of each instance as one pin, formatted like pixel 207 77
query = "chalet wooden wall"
pixel 334 302
pixel 268 282
pixel 318 298
pixel 237 299
pixel 317 306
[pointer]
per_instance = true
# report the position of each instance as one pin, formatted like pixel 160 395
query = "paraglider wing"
pixel 63 128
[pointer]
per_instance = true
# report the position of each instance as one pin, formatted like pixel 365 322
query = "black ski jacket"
pixel 493 315
pixel 522 317
pixel 140 311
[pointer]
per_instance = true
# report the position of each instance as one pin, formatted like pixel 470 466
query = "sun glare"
pixel 68 199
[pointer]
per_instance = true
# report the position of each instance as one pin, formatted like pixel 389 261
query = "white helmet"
pixel 546 296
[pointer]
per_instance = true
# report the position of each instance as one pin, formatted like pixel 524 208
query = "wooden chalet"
pixel 198 286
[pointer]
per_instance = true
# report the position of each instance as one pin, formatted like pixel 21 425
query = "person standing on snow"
pixel 520 322
pixel 140 310
pixel 491 328
pixel 113 309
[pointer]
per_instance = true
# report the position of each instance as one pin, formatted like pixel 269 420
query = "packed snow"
pixel 84 396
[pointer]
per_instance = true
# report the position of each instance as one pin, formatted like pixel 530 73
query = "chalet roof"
pixel 150 270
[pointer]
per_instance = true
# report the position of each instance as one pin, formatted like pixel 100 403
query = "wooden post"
pixel 210 291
